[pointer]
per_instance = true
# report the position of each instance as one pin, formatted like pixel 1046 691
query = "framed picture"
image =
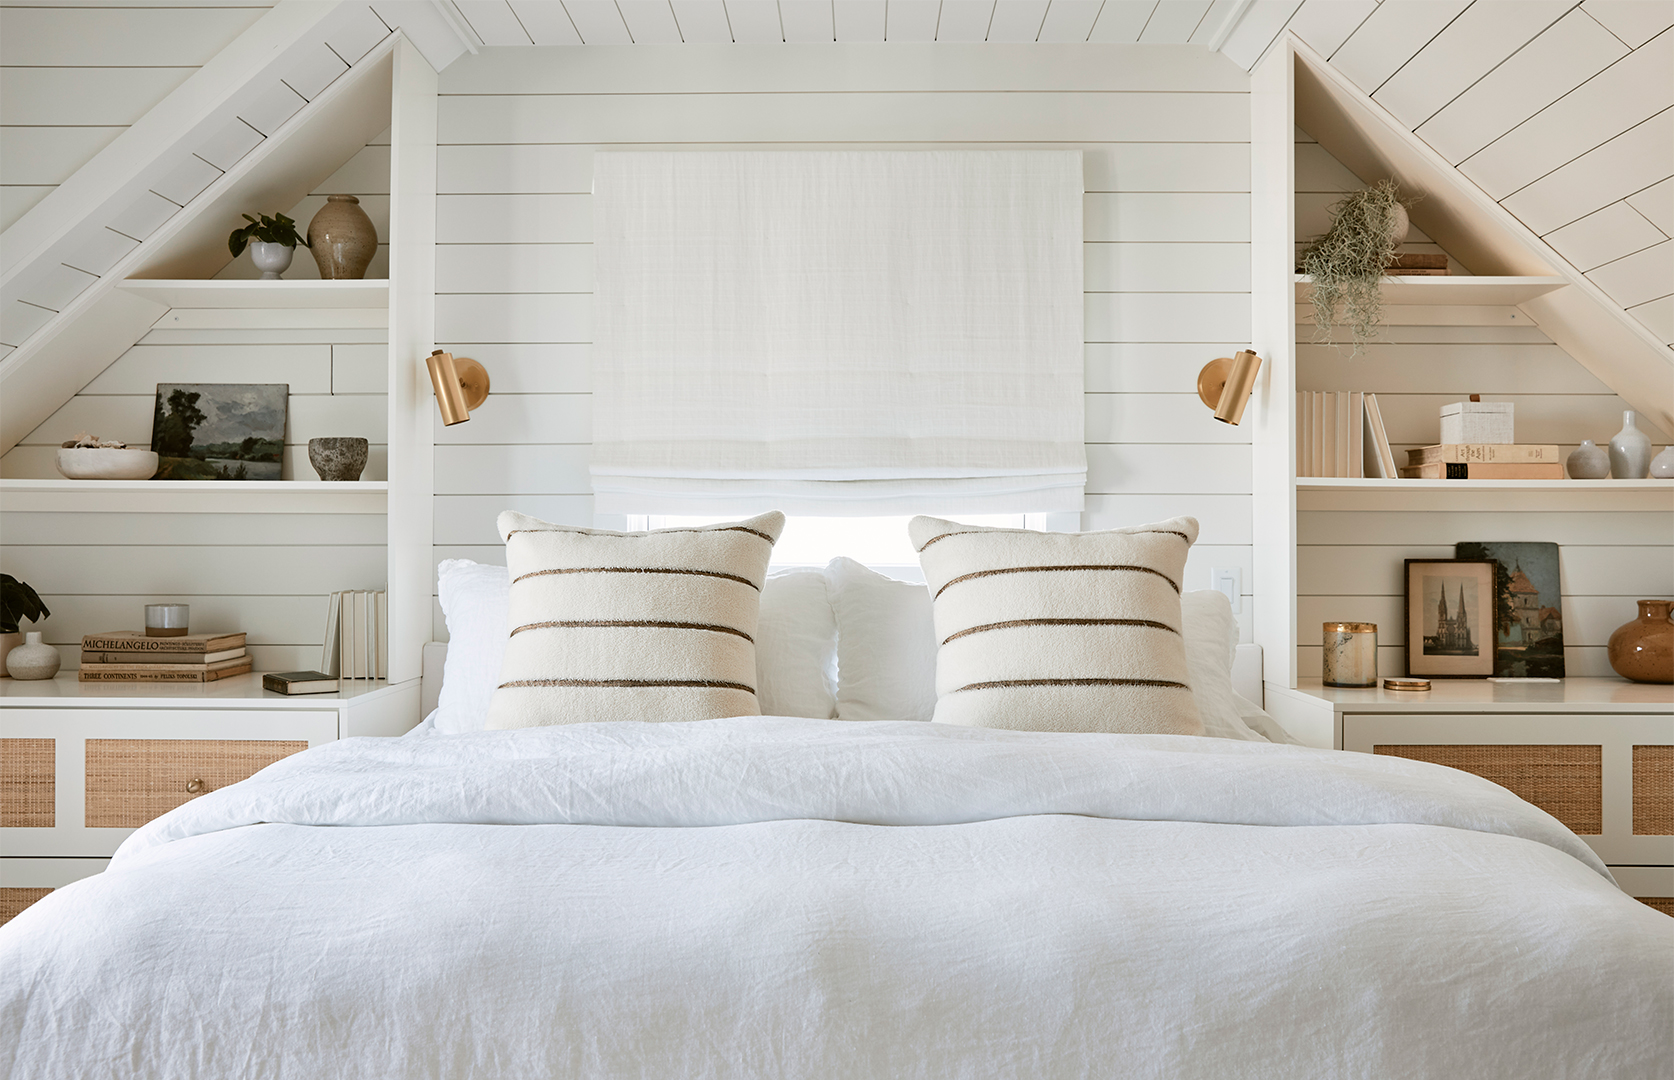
pixel 1450 618
pixel 1528 617
pixel 219 431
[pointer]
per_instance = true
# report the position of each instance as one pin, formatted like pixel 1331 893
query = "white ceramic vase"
pixel 1662 466
pixel 1587 462
pixel 271 259
pixel 34 659
pixel 1630 450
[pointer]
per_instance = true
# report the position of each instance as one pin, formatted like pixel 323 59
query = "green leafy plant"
pixel 277 229
pixel 1350 260
pixel 18 601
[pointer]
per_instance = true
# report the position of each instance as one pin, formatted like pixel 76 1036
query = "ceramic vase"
pixel 342 239
pixel 271 259
pixel 34 659
pixel 1662 466
pixel 338 459
pixel 1399 223
pixel 8 642
pixel 1643 650
pixel 1587 462
pixel 1630 450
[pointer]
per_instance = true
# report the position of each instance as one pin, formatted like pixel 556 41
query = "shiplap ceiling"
pixel 1562 112
pixel 744 22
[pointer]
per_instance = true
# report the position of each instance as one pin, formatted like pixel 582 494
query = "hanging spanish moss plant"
pixel 1350 260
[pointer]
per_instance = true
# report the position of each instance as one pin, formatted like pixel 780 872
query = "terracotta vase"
pixel 342 239
pixel 1643 650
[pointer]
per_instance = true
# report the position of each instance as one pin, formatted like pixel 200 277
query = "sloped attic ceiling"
pixel 1560 112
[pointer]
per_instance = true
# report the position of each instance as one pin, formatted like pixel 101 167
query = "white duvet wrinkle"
pixel 750 769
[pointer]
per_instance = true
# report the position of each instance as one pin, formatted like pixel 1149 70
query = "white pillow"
pixel 1211 635
pixel 796 649
pixel 886 644
pixel 474 602
pixel 886 651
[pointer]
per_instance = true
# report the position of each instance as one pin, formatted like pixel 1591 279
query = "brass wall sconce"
pixel 461 385
pixel 1225 385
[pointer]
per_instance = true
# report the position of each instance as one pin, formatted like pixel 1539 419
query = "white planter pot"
pixel 271 259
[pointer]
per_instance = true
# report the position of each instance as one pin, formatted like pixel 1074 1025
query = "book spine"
pixel 111 656
pixel 161 645
pixel 1486 453
pixel 216 676
pixel 223 665
pixel 96 675
pixel 1462 470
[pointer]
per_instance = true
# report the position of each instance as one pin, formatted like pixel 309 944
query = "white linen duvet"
pixel 764 897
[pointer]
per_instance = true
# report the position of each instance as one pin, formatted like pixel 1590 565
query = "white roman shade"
pixel 838 333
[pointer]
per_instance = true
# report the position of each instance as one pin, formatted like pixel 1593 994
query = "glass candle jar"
pixel 167 620
pixel 1351 654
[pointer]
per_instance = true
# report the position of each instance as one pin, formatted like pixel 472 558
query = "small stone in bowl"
pixel 338 458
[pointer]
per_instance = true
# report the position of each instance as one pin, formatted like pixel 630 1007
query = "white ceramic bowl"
pixel 88 463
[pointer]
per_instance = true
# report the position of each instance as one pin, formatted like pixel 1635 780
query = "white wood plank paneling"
pixel 859 20
pixel 1656 203
pixel 1604 236
pixel 807 21
pixel 1632 161
pixel 1634 21
pixel 1326 24
pixel 1017 20
pixel 702 21
pixel 76 96
pixel 1626 94
pixel 48 155
pixel 1174 21
pixel 1069 20
pixel 650 22
pixel 116 37
pixel 1122 21
pixel 599 22
pixel 755 22
pixel 1638 278
pixel 545 23
pixel 1465 50
pixel 1658 317
pixel 1389 37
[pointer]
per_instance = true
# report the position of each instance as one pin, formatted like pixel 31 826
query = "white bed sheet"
pixel 774 897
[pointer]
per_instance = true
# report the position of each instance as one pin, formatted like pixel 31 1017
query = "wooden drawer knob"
pixel 194 786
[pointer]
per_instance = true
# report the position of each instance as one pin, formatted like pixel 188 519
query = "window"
pixel 879 542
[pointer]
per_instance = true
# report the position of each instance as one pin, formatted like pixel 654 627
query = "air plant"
pixel 1350 260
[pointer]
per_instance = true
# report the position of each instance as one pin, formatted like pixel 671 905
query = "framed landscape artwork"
pixel 1528 610
pixel 219 431
pixel 1450 618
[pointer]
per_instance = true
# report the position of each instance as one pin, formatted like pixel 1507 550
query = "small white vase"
pixel 34 659
pixel 1630 450
pixel 1662 466
pixel 1399 223
pixel 1587 462
pixel 271 259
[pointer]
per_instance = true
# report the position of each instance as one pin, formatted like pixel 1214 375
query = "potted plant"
pixel 272 242
pixel 17 601
pixel 1348 263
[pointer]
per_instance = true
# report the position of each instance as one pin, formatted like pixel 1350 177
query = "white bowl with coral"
pixel 104 463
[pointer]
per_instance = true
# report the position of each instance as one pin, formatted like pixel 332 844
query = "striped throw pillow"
pixel 631 626
pixel 1059 631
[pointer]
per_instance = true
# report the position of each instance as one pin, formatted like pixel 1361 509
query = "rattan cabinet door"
pixel 131 781
pixel 1607 777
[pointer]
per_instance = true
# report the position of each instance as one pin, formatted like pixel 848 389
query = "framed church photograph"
pixel 1450 618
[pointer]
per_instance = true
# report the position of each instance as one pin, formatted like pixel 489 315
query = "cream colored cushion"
pixel 1060 631
pixel 631 626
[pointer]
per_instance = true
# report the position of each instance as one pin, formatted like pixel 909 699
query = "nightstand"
pixel 82 765
pixel 1597 754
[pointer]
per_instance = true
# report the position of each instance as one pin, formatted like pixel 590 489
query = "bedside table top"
pixel 1481 696
pixel 240 691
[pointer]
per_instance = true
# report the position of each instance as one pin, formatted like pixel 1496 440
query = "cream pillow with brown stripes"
pixel 1059 631
pixel 631 626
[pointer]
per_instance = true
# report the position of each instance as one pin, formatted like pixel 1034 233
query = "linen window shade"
pixel 838 333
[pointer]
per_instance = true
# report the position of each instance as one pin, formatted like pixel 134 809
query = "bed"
pixel 778 896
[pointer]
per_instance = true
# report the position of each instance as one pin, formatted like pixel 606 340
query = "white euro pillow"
pixel 796 647
pixel 886 644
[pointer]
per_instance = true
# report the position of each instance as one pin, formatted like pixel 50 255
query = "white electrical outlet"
pixel 1230 582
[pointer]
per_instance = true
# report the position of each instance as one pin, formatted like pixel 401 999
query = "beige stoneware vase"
pixel 342 239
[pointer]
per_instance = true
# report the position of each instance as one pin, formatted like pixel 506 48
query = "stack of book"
pixel 1419 265
pixel 1341 433
pixel 131 656
pixel 357 635
pixel 1484 461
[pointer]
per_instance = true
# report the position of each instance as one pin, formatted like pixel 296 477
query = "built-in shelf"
pixel 196 496
pixel 1451 291
pixel 1344 483
pixel 261 294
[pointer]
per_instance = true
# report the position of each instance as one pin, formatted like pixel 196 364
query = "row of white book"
pixel 1341 433
pixel 357 635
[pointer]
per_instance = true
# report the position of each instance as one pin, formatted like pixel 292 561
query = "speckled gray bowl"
pixel 338 459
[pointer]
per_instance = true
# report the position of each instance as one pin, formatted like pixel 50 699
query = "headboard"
pixel 1246 674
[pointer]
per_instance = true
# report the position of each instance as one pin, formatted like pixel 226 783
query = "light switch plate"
pixel 1230 582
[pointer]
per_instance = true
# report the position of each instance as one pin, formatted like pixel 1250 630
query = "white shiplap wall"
pixel 73 78
pixel 1165 134
pixel 1613 549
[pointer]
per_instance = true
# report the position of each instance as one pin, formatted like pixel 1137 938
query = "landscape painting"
pixel 1529 621
pixel 219 431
